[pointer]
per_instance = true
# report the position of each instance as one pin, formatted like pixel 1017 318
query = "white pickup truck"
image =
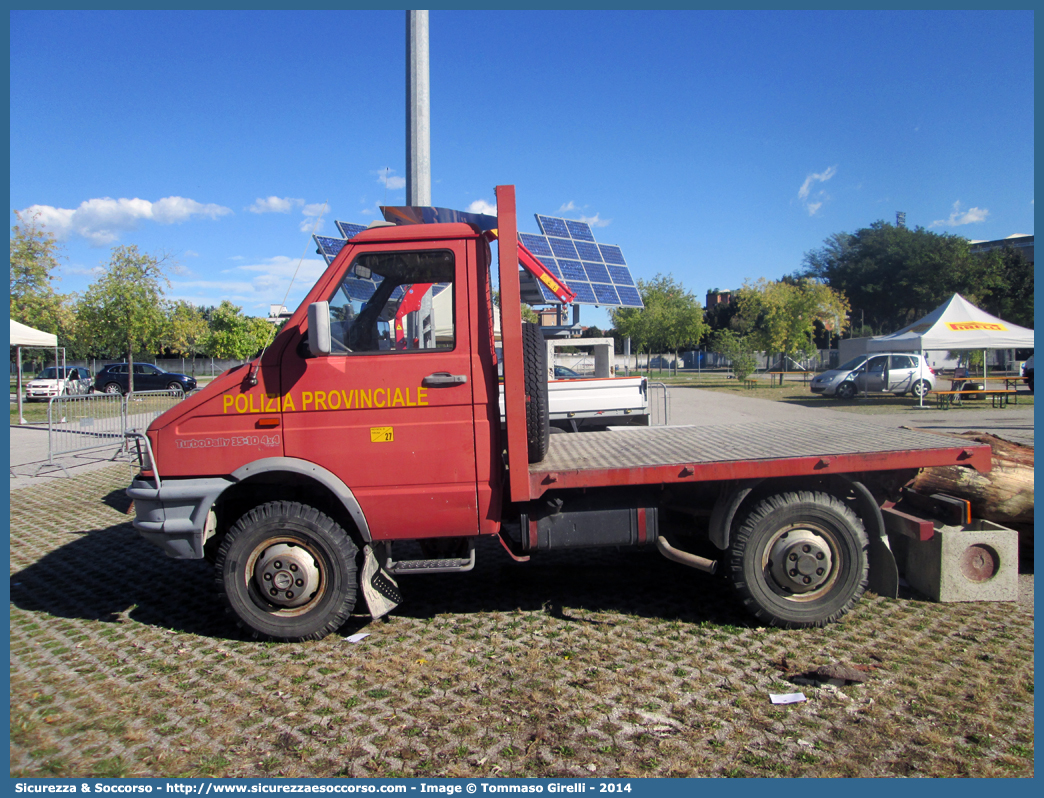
pixel 576 402
pixel 595 403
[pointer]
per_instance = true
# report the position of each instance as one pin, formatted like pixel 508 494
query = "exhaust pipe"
pixel 684 557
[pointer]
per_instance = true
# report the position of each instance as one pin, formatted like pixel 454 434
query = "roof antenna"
pixel 251 377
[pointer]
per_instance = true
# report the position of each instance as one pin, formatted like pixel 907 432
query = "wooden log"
pixel 1004 496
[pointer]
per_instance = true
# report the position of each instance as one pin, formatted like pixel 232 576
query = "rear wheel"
pixel 921 388
pixel 534 360
pixel 799 559
pixel 846 390
pixel 113 387
pixel 288 572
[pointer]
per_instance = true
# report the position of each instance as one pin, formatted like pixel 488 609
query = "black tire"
pixel 284 544
pixel 538 419
pixel 846 390
pixel 825 542
pixel 920 388
pixel 176 388
pixel 113 387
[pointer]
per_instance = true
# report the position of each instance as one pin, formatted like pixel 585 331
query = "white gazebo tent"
pixel 26 337
pixel 955 324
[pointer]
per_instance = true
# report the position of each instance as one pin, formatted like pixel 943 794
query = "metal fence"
pixel 95 421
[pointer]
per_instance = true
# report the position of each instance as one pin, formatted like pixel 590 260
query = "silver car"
pixel 899 373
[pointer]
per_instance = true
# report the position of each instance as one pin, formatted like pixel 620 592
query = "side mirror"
pixel 319 328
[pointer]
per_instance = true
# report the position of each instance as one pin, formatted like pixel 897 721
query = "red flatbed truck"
pixel 301 473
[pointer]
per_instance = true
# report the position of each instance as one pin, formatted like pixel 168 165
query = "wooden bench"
pixel 998 397
pixel 750 384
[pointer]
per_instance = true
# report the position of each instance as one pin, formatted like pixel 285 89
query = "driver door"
pixel 392 415
pixel 876 375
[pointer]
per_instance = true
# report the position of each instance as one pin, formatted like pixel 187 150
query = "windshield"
pixel 51 373
pixel 852 364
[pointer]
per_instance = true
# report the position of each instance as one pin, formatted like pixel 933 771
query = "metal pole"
pixel 418 110
pixel 21 418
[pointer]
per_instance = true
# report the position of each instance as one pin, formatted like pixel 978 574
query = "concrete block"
pixel 975 562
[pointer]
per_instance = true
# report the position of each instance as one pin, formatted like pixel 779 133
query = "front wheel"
pixel 799 559
pixel 288 572
pixel 176 388
pixel 846 390
pixel 921 388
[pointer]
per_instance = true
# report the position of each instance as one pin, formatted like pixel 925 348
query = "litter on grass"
pixel 357 637
pixel 787 698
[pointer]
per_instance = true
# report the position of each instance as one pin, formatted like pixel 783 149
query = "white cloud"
pixel 275 205
pixel 191 253
pixel 481 206
pixel 959 217
pixel 596 221
pixel 571 208
pixel 813 205
pixel 101 221
pixel 390 179
pixel 253 286
pixel 312 213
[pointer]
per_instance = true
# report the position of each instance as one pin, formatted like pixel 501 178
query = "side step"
pixel 439 566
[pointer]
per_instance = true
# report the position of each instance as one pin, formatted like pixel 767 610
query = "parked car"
pixel 56 381
pixel 147 377
pixel 563 373
pixel 1027 372
pixel 899 373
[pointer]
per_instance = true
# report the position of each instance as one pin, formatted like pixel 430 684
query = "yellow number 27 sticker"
pixel 382 434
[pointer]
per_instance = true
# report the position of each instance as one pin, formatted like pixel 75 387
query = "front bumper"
pixel 819 388
pixel 173 514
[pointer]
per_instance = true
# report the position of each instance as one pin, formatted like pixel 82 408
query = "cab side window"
pixel 877 364
pixel 393 302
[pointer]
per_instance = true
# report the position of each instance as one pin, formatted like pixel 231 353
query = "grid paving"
pixel 607 663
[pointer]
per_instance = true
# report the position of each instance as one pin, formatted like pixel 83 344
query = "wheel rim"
pixel 801 562
pixel 112 388
pixel 285 576
pixel 846 390
pixel 175 387
pixel 920 388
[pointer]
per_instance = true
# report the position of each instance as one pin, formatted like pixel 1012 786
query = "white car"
pixel 54 381
pixel 899 373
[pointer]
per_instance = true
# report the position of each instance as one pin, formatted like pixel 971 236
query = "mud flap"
pixel 884 574
pixel 379 588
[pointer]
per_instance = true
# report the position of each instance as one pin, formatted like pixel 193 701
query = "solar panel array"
pixel 597 273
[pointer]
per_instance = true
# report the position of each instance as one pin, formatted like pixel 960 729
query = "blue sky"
pixel 718 147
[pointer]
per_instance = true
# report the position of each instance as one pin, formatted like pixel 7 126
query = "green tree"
pixel 671 320
pixel 894 275
pixel 1010 277
pixel 122 311
pixel 35 257
pixel 738 349
pixel 186 330
pixel 780 316
pixel 235 336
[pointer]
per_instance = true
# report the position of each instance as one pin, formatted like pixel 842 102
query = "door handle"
pixel 443 379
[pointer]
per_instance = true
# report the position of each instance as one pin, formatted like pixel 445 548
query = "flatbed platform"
pixel 654 455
